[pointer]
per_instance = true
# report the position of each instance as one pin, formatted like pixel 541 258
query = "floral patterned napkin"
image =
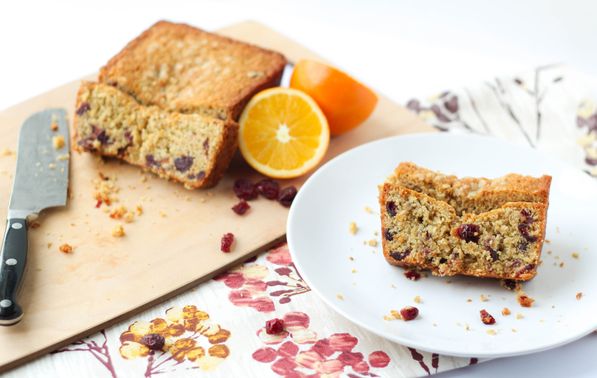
pixel 217 328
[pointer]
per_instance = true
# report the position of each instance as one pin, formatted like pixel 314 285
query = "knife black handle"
pixel 13 259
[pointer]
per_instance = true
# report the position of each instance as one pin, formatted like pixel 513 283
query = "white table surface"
pixel 402 48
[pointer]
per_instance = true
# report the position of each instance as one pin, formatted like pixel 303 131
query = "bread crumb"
pixel 65 248
pixel 491 332
pixel 483 298
pixel 524 300
pixel 351 258
pixel 418 299
pixel 467 327
pixel 368 210
pixel 7 152
pixel 519 316
pixel 549 252
pixel 129 217
pixel 118 231
pixel 352 228
pixel 340 297
pixel 163 214
pixel 469 300
pixel 435 324
pixel 354 270
pixel 506 311
pixel 139 209
pixel 579 296
pixel 395 314
pixel 392 286
pixel 54 125
pixel 562 264
pixel 547 241
pixel 49 245
pixel 58 142
pixel 514 330
pixel 575 255
pixel 372 243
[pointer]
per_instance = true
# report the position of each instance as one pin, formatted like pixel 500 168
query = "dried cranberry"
pixel 274 326
pixel 409 313
pixel 493 253
pixel 400 255
pixel 523 228
pixel 150 161
pixel 510 284
pixel 200 175
pixel 153 341
pixel 388 235
pixel 241 207
pixel 268 188
pixel 226 242
pixel 443 260
pixel 183 163
pixel 486 318
pixel 468 232
pixel 527 216
pixel 244 189
pixel 287 195
pixel 206 146
pixel 84 108
pixel 103 137
pixel 412 275
pixel 522 246
pixel 391 208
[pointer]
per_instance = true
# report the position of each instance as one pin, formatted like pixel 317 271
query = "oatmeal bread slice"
pixel 181 68
pixel 188 148
pixel 504 242
pixel 424 229
pixel 417 231
pixel 472 194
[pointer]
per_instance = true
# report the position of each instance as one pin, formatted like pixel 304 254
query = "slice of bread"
pixel 471 226
pixel 190 148
pixel 181 68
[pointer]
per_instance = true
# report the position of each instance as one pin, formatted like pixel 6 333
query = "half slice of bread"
pixel 190 148
pixel 181 68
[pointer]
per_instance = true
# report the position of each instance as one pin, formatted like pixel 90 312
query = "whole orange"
pixel 345 102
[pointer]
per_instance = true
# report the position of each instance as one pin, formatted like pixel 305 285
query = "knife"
pixel 41 181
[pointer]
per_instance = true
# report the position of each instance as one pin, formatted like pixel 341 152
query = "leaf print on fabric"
pixel 586 121
pixel 259 286
pixel 297 352
pixel 185 334
pixel 100 352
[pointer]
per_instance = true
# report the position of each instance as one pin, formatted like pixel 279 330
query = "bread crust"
pixel 217 75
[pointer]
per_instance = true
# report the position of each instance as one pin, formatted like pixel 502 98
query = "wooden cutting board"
pixel 168 249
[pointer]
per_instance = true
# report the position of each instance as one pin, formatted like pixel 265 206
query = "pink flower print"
pixel 280 256
pixel 300 356
pixel 252 288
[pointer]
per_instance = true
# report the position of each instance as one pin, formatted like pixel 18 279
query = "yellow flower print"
pixel 184 334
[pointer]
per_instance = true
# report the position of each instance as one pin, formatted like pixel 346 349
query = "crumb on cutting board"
pixel 65 248
pixel 118 231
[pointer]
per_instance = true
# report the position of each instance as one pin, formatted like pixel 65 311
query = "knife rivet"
pixel 11 262
pixel 5 303
pixel 16 226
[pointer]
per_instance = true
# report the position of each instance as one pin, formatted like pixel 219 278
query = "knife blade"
pixel 41 182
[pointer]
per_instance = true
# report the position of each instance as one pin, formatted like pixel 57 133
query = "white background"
pixel 403 49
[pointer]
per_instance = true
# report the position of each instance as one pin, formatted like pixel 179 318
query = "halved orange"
pixel 283 133
pixel 345 102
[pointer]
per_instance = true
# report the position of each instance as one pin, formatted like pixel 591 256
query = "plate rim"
pixel 393 337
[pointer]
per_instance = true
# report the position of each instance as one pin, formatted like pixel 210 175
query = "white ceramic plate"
pixel 338 193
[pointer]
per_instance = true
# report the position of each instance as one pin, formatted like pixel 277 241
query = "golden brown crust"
pixel 182 68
